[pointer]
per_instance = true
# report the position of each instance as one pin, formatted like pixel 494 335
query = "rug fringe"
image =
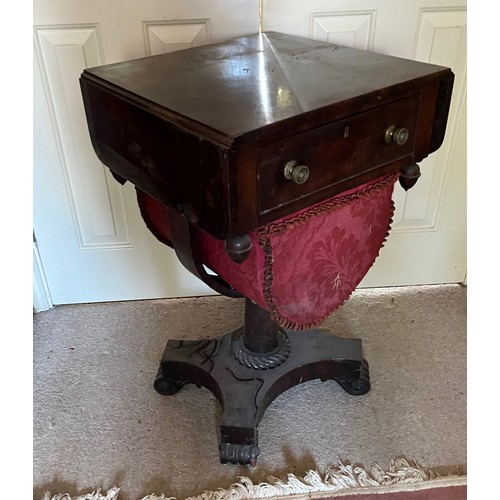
pixel 112 494
pixel 338 478
pixel 335 479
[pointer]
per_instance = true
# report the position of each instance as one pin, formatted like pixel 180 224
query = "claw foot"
pixel 239 453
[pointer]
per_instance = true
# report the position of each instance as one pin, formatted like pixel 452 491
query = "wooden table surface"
pixel 209 130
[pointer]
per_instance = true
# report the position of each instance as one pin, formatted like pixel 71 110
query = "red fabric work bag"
pixel 305 265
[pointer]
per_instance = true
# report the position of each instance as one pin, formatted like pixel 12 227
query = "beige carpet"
pixel 98 422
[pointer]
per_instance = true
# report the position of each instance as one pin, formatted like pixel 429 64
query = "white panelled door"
pixel 427 244
pixel 91 242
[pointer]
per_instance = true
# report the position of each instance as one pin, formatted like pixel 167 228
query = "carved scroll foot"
pixel 358 383
pixel 165 385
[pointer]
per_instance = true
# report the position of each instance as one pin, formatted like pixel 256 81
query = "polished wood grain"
pixel 203 130
pixel 333 153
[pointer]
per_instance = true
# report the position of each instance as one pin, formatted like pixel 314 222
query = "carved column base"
pixel 245 392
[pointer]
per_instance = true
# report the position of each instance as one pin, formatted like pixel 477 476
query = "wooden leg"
pixel 248 368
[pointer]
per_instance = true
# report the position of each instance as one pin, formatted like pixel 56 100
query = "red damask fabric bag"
pixel 305 265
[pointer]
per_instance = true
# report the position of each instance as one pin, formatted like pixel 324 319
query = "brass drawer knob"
pixel 397 135
pixel 295 172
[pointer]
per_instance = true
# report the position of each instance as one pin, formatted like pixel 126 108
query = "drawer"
pixel 334 153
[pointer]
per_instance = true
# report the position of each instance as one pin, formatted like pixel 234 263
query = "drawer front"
pixel 334 153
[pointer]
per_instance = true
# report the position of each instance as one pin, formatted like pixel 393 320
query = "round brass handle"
pixel 398 135
pixel 295 172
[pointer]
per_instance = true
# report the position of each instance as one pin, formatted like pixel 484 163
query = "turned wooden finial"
pixel 238 247
pixel 409 175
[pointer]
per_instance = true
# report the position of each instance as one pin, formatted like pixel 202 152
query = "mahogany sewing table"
pixel 232 136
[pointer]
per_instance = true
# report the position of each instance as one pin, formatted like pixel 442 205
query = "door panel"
pixel 428 240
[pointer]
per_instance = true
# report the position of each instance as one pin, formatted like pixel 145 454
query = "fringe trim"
pixel 342 478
